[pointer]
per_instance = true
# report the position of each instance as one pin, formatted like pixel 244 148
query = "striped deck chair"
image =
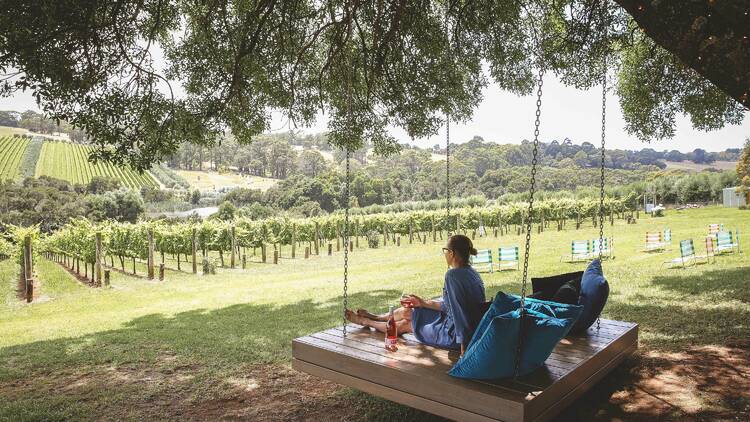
pixel 687 254
pixel 654 241
pixel 725 242
pixel 580 250
pixel 507 258
pixel 482 262
pixel 710 255
pixel 668 238
pixel 715 228
pixel 607 248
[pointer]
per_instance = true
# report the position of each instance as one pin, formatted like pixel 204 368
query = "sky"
pixel 566 113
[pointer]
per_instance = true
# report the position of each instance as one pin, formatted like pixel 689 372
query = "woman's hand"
pixel 414 301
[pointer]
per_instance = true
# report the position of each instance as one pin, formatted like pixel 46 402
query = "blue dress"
pixel 458 317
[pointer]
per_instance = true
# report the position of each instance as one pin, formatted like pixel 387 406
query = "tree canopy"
pixel 365 64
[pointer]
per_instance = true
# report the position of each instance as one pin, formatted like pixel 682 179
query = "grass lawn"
pixel 211 180
pixel 10 131
pixel 213 347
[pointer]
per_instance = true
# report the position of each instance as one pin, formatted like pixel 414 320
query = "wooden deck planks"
pixel 415 375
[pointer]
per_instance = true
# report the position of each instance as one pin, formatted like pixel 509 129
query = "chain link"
pixel 346 239
pixel 448 173
pixel 603 150
pixel 529 218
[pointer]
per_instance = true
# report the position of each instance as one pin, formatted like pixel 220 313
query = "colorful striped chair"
pixel 507 258
pixel 482 262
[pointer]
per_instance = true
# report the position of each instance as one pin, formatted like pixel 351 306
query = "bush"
pixel 209 266
pixel 373 239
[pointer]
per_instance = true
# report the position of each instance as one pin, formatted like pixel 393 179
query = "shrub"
pixel 373 239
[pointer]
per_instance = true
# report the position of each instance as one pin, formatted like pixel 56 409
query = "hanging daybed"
pixel 416 375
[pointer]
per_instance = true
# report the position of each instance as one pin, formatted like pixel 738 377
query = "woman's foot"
pixel 354 318
pixel 364 314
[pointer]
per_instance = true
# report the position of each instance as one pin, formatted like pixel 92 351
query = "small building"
pixel 734 198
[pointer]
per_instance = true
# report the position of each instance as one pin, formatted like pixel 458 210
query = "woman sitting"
pixel 448 322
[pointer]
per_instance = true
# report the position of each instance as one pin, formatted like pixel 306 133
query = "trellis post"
pixel 98 260
pixel 150 254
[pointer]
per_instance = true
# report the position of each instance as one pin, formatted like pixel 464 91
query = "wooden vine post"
pixel 234 248
pixel 385 235
pixel 338 238
pixel 27 272
pixel 317 238
pixel 195 251
pixel 98 260
pixel 150 254
pixel 294 240
pixel 356 233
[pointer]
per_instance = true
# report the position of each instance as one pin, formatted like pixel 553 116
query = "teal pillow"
pixel 504 303
pixel 492 353
pixel 594 293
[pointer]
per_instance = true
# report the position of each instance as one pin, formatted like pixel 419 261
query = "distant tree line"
pixel 38 123
pixel 51 203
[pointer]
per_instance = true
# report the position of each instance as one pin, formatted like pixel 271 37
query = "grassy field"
pixel 691 166
pixel 10 131
pixel 214 347
pixel 209 180
pixel 11 153
pixel 69 161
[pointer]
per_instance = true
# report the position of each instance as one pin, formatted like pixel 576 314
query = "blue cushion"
pixel 594 293
pixel 492 351
pixel 504 303
pixel 493 355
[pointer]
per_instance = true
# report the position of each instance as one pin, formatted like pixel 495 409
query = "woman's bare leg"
pixel 398 314
pixel 402 326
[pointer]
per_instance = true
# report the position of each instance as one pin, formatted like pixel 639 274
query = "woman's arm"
pixel 418 302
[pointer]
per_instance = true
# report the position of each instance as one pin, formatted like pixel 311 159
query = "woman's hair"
pixel 462 247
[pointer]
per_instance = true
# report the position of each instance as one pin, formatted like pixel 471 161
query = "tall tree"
pixel 743 167
pixel 366 64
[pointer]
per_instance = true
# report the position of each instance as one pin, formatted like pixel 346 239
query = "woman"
pixel 448 322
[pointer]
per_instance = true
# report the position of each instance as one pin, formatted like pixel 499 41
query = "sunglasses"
pixel 446 250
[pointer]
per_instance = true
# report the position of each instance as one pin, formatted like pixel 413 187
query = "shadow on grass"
pixel 728 283
pixel 159 366
pixel 207 364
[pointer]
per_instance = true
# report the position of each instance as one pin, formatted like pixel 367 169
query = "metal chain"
pixel 601 181
pixel 529 218
pixel 346 238
pixel 448 173
pixel 532 190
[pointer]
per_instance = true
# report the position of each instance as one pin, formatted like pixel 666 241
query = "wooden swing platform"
pixel 415 375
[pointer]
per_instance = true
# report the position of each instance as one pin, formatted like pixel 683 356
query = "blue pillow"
pixel 594 293
pixel 492 353
pixel 504 303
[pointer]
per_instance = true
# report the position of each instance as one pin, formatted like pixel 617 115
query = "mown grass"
pixel 211 180
pixel 187 340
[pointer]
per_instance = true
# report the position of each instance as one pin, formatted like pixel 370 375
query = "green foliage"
pixel 743 167
pixel 373 239
pixel 101 184
pixel 45 201
pixel 11 154
pixel 130 240
pixel 168 178
pixel 365 65
pixel 121 205
pixel 30 157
